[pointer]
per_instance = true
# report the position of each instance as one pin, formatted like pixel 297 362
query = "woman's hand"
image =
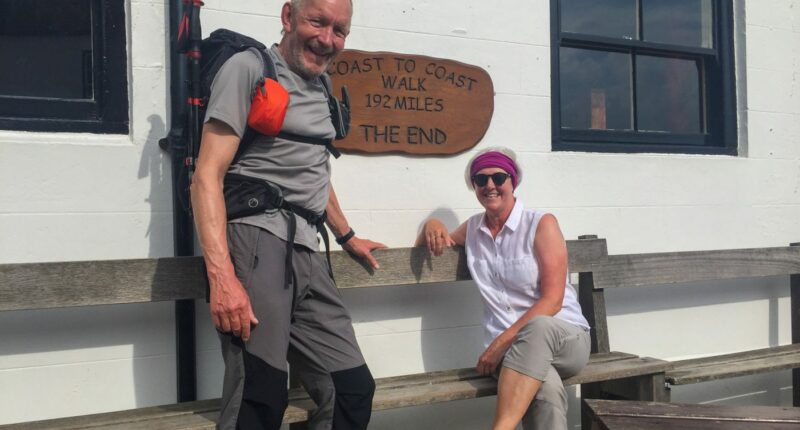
pixel 436 237
pixel 491 358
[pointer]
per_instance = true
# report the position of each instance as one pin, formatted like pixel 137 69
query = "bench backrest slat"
pixel 636 270
pixel 681 267
pixel 84 283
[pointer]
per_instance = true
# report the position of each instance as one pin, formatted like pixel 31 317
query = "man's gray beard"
pixel 297 66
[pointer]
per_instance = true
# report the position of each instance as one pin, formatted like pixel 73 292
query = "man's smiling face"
pixel 314 33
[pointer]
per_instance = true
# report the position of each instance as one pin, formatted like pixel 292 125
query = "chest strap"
pixel 250 135
pixel 327 143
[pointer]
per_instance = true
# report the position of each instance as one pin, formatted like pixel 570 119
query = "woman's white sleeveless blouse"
pixel 507 273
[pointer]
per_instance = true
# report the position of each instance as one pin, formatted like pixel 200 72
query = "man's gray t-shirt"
pixel 301 170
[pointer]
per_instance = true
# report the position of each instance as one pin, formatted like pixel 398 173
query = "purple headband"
pixel 495 159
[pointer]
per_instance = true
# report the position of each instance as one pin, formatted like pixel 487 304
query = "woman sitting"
pixel 535 333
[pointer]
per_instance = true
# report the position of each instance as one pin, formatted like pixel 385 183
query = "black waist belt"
pixel 245 196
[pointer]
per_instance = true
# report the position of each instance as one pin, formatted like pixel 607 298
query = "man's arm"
pixel 229 302
pixel 339 227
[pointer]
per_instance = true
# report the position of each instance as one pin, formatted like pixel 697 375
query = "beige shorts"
pixel 547 341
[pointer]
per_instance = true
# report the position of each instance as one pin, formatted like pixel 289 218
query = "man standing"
pixel 266 315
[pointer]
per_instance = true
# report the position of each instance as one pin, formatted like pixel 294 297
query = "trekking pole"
pixel 180 143
pixel 184 309
pixel 193 54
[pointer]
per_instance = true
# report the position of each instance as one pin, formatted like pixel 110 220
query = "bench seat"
pixel 736 364
pixel 392 392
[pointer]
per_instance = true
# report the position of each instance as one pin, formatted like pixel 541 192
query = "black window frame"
pixel 718 81
pixel 107 111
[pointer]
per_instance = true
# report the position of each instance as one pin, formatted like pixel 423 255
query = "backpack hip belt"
pixel 245 196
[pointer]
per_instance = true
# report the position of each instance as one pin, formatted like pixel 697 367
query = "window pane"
pixel 678 22
pixel 595 89
pixel 668 95
pixel 612 18
pixel 46 48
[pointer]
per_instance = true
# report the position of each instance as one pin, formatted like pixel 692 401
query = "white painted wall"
pixel 85 197
pixel 112 200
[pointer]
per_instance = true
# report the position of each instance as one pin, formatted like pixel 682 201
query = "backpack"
pixel 245 195
pixel 220 46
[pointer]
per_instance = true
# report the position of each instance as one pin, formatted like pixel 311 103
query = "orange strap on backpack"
pixel 268 109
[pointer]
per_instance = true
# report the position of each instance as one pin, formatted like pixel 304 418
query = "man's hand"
pixel 338 223
pixel 363 248
pixel 491 358
pixel 231 311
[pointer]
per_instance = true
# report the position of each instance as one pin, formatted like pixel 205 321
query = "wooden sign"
pixel 411 103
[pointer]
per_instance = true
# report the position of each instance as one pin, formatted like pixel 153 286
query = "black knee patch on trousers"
pixel 354 390
pixel 265 395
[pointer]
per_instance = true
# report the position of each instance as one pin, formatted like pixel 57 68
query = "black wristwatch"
pixel 347 236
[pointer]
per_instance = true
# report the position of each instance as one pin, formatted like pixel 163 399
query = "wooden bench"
pixel 662 269
pixel 55 285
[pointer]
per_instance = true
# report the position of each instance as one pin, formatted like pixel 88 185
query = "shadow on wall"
pixel 154 165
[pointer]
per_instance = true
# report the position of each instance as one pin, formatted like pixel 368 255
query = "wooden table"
pixel 631 415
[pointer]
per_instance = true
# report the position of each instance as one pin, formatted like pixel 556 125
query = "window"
pixel 63 66
pixel 643 76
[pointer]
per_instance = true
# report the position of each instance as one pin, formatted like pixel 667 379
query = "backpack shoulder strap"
pixel 269 72
pixel 327 84
pixel 269 65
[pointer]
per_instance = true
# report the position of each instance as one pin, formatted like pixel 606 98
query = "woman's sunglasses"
pixel 481 179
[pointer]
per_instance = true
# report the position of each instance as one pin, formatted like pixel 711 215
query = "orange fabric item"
pixel 268 108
